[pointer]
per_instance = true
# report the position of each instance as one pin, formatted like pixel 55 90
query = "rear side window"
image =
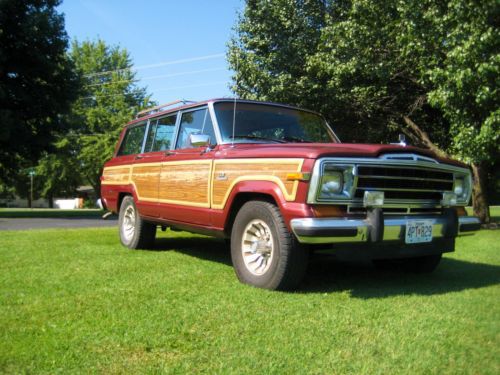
pixel 160 135
pixel 195 122
pixel 132 142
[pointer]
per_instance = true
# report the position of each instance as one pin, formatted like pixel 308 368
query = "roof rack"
pixel 161 106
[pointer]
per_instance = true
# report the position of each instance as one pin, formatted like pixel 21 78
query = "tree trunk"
pixel 424 137
pixel 479 193
pixel 51 200
pixel 96 185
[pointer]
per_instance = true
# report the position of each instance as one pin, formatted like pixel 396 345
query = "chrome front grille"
pixel 403 183
pixel 411 182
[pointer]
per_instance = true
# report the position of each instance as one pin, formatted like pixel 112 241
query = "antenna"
pixel 234 105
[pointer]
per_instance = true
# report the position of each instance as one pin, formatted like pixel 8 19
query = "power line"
pixel 162 89
pixel 164 63
pixel 190 86
pixel 158 77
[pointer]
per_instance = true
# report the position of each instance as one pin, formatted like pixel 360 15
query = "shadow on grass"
pixel 362 280
pixel 211 249
pixel 327 274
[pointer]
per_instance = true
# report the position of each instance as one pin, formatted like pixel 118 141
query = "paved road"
pixel 40 223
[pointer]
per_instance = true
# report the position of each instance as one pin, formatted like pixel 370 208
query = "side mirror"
pixel 199 140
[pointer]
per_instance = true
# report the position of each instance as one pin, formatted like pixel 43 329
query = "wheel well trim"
pixel 241 183
pixel 122 194
pixel 244 192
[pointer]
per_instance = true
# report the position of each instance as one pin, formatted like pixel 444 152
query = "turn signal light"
pixel 298 176
pixel 328 211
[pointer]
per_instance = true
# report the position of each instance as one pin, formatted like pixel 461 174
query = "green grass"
pixel 494 213
pixel 48 212
pixel 76 301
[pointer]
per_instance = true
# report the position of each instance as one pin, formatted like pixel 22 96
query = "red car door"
pixel 184 188
pixel 147 165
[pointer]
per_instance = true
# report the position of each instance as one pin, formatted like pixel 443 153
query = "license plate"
pixel 418 231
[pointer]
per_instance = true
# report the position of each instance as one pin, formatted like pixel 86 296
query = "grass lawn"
pixel 76 301
pixel 48 212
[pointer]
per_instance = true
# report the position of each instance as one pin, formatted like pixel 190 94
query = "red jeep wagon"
pixel 277 182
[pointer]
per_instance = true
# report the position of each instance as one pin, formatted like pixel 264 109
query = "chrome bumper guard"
pixel 344 230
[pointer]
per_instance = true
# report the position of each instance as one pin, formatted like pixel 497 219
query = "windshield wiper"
pixel 295 139
pixel 245 136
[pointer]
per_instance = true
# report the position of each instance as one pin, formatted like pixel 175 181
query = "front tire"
pixel 135 233
pixel 263 251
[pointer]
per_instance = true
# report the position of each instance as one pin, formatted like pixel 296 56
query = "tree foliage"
pixel 466 82
pixel 37 82
pixel 57 173
pixel 108 99
pixel 373 68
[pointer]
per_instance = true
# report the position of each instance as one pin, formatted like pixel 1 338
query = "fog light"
pixel 373 198
pixel 449 199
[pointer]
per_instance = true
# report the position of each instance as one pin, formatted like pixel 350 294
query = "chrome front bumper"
pixel 344 230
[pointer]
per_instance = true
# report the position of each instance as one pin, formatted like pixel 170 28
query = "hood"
pixel 319 150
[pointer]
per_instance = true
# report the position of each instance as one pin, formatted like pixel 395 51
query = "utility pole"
pixel 31 173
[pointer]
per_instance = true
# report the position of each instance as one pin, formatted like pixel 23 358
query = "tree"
pixel 37 82
pixel 109 98
pixel 373 68
pixel 58 172
pixel 466 88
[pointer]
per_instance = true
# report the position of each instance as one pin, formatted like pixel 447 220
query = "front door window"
pixel 195 122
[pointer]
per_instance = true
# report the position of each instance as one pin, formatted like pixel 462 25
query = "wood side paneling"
pixel 202 183
pixel 228 173
pixel 186 183
pixel 116 175
pixel 146 178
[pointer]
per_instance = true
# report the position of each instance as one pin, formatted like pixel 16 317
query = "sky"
pixel 177 47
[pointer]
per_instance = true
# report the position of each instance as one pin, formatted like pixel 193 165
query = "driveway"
pixel 41 223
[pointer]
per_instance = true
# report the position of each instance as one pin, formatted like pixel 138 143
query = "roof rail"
pixel 159 107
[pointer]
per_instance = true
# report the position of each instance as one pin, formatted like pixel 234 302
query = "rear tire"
pixel 424 264
pixel 263 251
pixel 135 233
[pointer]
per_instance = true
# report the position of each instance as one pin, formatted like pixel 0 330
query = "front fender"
pixel 289 209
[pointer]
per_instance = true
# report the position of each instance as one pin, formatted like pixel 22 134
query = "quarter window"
pixel 132 142
pixel 195 122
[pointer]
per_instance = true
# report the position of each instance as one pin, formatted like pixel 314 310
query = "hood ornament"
pixel 402 141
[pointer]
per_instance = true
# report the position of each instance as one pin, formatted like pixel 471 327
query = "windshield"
pixel 262 123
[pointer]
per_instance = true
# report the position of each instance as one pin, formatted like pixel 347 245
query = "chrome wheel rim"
pixel 257 247
pixel 128 225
